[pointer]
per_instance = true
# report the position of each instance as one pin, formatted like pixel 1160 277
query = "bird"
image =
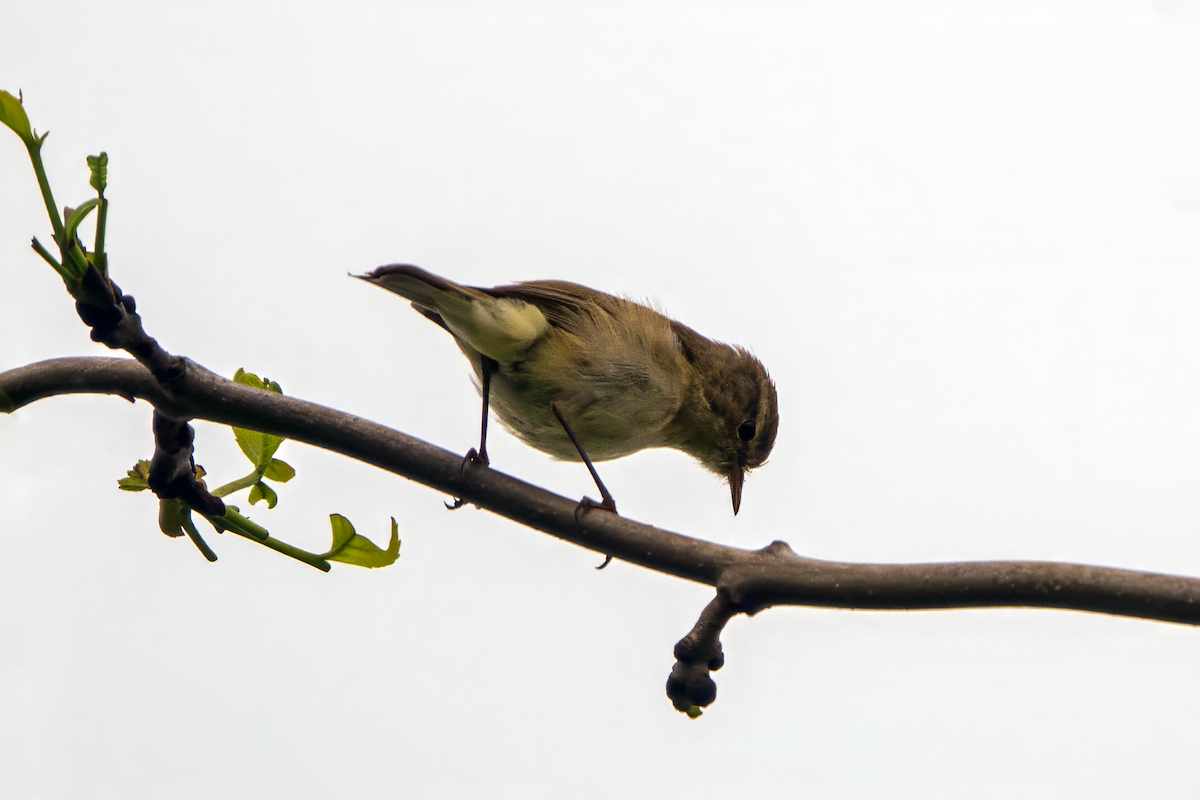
pixel 588 376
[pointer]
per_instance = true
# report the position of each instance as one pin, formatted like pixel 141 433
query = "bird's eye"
pixel 746 430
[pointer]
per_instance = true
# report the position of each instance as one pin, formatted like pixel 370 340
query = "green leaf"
pixel 78 215
pixel 13 115
pixel 250 379
pixel 260 491
pixel 343 532
pixel 350 548
pixel 132 484
pixel 258 447
pixel 279 471
pixel 137 478
pixel 99 167
pixel 247 379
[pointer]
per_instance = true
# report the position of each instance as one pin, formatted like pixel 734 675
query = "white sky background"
pixel 962 236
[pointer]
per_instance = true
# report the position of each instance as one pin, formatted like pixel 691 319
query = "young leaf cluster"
pixel 175 516
pixel 260 449
pixel 74 260
pixel 86 277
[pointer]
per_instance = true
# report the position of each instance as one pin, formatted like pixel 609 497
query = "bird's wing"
pixel 566 305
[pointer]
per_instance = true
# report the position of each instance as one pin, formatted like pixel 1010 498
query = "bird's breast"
pixel 616 392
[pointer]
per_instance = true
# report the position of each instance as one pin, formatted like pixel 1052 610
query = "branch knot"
pixel 690 686
pixel 173 469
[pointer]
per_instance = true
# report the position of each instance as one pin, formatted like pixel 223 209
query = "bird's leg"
pixel 607 503
pixel 488 366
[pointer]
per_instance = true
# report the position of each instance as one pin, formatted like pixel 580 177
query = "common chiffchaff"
pixel 558 361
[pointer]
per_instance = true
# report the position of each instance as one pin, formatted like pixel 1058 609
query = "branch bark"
pixel 753 580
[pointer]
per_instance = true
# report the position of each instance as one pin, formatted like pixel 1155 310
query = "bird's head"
pixel 732 417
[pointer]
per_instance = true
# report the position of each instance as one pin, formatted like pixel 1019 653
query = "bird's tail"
pixel 423 288
pixel 500 328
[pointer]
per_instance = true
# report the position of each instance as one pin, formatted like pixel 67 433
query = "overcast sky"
pixel 963 237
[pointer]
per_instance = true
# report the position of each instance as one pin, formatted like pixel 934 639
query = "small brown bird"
pixel 578 373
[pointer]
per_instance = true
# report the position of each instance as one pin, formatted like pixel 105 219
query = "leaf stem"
pixel 237 485
pixel 62 271
pixel 233 521
pixel 98 250
pixel 312 559
pixel 189 528
pixel 74 263
pixel 236 523
pixel 35 156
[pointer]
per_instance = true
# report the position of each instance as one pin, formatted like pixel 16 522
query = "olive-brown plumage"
pixel 623 376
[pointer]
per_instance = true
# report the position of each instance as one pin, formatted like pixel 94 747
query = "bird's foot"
pixel 473 457
pixel 587 504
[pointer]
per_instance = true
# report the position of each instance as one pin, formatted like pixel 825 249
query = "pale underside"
pixel 617 381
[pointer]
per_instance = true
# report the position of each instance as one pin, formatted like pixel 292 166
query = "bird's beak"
pixel 735 486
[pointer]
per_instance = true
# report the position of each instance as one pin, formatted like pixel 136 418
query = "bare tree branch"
pixel 747 581
pixel 753 580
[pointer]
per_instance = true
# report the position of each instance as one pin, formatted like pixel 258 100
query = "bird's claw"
pixel 473 456
pixel 586 504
